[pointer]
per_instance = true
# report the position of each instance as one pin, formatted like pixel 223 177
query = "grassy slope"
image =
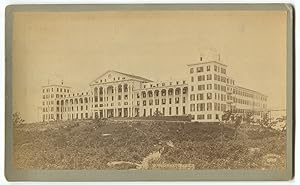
pixel 81 145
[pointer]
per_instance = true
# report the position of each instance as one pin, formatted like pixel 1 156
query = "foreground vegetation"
pixel 97 144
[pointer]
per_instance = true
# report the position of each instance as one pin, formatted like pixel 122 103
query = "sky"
pixel 77 47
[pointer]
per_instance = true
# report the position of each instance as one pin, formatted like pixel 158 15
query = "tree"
pixel 157 113
pixel 227 116
pixel 249 117
pixel 17 119
pixel 232 118
pixel 237 122
pixel 265 120
pixel 282 119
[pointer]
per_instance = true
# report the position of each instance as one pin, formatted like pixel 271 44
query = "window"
pixel 200 116
pixel 209 116
pixel 150 102
pixel 163 101
pixel 208 77
pixel 192 88
pixel 199 69
pixel 192 107
pixel 201 77
pixel 201 87
pixel 209 106
pixel 207 68
pixel 202 106
pixel 200 96
pixel 209 86
pixel 217 106
pixel 192 97
pixel 192 79
pixel 223 70
pixel 170 100
pixel 192 70
pixel 216 68
pixel 209 96
pixel 177 100
pixel 170 111
pixel 157 102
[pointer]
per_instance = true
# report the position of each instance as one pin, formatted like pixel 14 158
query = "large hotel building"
pixel 205 94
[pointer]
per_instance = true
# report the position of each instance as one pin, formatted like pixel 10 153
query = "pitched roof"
pixel 134 76
pixel 129 75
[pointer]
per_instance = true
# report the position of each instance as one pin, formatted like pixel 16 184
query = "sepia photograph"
pixel 185 89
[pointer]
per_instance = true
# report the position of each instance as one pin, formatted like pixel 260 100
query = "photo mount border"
pixel 13 174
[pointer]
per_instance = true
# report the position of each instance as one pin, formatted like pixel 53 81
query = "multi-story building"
pixel 205 94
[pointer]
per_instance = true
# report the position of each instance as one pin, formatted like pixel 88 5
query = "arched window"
pixel 101 90
pixel 95 94
pixel 144 94
pixel 119 88
pixel 125 88
pixel 163 92
pixel 95 91
pixel 177 91
pixel 170 92
pixel 110 89
pixel 156 93
pixel 150 94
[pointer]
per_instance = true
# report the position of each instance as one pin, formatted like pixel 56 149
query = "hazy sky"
pixel 78 47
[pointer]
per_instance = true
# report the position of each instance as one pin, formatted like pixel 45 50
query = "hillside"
pixel 107 144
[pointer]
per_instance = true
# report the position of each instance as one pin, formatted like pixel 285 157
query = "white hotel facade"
pixel 205 94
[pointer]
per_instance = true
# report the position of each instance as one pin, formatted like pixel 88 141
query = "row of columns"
pixel 160 106
pixel 117 104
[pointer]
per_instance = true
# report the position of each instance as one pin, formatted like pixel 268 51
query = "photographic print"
pixel 147 89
